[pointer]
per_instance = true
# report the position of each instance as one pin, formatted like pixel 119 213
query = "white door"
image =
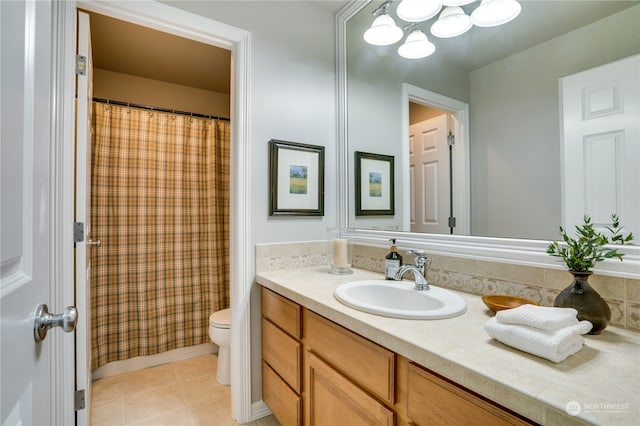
pixel 28 381
pixel 601 144
pixel 429 176
pixel 82 214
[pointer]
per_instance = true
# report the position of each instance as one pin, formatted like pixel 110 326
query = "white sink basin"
pixel 398 299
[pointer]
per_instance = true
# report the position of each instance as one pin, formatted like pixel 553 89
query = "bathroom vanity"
pixel 325 363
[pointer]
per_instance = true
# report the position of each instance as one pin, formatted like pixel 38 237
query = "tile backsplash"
pixel 471 276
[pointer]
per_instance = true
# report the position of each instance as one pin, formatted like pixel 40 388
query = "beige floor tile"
pixel 204 389
pixel 195 367
pixel 179 417
pixel 106 389
pixel 151 403
pixel 148 379
pixel 268 421
pixel 110 413
pixel 211 414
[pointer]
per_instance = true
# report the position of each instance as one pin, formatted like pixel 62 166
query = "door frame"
pixel 460 163
pixel 168 19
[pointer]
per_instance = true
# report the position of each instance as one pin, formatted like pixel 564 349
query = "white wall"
pixel 293 98
pixel 521 157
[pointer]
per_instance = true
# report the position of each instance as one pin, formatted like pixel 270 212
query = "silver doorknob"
pixel 44 321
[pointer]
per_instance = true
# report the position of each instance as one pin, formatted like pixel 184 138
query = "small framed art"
pixel 296 179
pixel 374 184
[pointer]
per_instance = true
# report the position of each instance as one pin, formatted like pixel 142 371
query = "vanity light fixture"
pixel 418 10
pixel 492 13
pixel 416 46
pixel 383 30
pixel 451 23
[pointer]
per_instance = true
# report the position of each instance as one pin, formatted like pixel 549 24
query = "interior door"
pixel 28 385
pixel 601 144
pixel 429 176
pixel 84 80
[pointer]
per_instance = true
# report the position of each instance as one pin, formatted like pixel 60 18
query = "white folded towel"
pixel 554 345
pixel 543 317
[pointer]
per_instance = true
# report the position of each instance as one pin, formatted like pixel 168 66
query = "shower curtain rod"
pixel 150 108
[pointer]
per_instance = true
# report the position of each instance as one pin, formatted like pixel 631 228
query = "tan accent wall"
pixel 144 91
pixel 418 113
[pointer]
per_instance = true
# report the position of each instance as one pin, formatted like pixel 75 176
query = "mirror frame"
pixel 505 250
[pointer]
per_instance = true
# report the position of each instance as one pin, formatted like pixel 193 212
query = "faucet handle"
pixel 421 259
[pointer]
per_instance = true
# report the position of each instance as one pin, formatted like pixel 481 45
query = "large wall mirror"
pixel 506 95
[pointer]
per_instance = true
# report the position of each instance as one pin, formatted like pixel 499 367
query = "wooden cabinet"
pixel 282 358
pixel 285 404
pixel 434 401
pixel 318 373
pixel 332 399
pixel 366 363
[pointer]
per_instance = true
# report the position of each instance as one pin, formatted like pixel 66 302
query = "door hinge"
pixel 451 139
pixel 78 232
pixel 78 400
pixel 81 65
pixel 452 222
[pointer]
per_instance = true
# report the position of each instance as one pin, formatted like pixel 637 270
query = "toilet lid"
pixel 221 319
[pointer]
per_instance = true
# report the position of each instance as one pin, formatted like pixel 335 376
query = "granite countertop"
pixel 602 381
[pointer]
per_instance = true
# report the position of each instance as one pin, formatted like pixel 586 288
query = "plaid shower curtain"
pixel 160 206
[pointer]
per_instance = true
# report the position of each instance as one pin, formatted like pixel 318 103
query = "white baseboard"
pixel 259 410
pixel 141 362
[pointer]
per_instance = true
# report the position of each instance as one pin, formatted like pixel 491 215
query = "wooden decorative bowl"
pixel 498 302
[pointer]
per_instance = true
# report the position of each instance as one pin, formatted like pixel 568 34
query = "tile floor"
pixel 180 393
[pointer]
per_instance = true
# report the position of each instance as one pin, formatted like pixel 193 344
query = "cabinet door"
pixel 283 354
pixel 285 405
pixel 366 363
pixel 282 312
pixel 331 399
pixel 434 401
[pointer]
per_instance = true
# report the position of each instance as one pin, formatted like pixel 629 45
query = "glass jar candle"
pixel 340 252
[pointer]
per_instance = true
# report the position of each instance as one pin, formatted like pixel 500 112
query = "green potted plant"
pixel 580 254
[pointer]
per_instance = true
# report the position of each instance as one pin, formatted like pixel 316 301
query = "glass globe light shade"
pixel 383 31
pixel 418 10
pixel 492 13
pixel 416 46
pixel 452 22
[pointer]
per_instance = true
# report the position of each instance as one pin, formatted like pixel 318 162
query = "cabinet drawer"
pixel 368 364
pixel 332 399
pixel 282 312
pixel 283 402
pixel 283 353
pixel 432 400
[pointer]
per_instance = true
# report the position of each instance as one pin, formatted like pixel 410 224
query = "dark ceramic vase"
pixel 589 304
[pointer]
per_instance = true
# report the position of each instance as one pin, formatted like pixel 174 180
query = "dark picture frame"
pixel 374 184
pixel 296 179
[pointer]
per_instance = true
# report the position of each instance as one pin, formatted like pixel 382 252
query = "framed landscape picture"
pixel 374 184
pixel 296 179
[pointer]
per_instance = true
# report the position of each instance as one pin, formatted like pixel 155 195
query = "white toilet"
pixel 220 334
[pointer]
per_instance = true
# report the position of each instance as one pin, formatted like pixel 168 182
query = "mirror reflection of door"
pixel 430 169
pixel 601 143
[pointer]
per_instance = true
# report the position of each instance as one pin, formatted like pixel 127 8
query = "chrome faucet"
pixel 419 270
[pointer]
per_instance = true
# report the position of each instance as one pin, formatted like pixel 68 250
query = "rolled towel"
pixel 542 317
pixel 554 345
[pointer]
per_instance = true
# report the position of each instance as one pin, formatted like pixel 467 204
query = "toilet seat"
pixel 220 319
